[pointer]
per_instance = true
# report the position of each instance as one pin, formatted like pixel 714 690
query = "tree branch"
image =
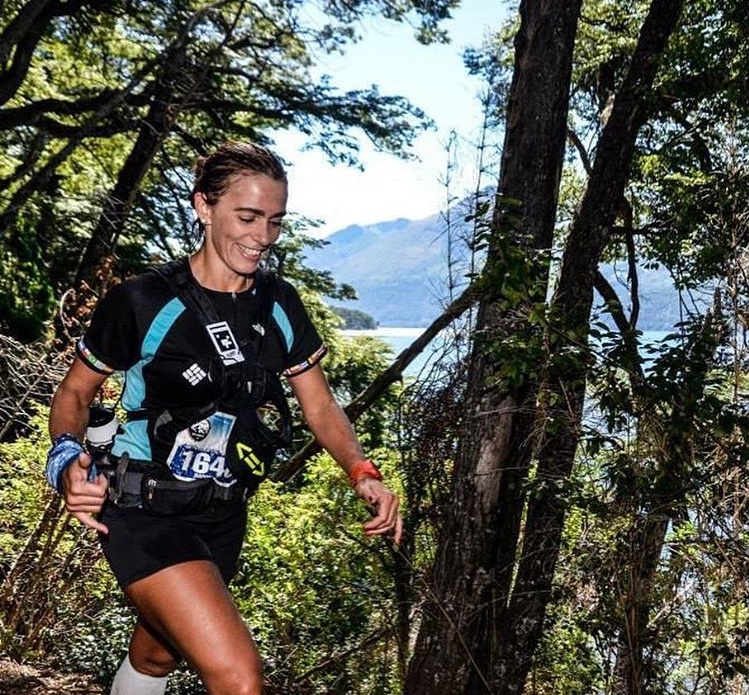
pixel 392 374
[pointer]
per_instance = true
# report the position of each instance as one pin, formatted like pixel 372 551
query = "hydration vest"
pixel 251 393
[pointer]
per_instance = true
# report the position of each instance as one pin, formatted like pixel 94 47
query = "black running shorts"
pixel 140 544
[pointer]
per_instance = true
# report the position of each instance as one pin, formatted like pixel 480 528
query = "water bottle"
pixel 102 427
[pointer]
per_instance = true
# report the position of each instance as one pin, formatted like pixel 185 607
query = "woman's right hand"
pixel 84 499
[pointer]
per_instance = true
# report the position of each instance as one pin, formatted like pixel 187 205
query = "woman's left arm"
pixel 335 434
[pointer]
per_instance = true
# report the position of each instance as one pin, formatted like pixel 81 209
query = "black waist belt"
pixel 131 483
pixel 151 485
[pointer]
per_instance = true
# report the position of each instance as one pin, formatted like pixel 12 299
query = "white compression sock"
pixel 128 681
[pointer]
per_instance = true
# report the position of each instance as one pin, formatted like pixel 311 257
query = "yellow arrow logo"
pixel 247 456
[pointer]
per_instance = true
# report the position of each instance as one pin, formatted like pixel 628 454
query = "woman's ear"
pixel 202 208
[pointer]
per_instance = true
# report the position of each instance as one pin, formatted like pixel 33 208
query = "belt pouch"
pixel 164 495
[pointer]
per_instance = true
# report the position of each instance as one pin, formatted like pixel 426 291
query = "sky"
pixel 432 78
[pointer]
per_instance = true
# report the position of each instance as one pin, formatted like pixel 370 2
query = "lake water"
pixel 399 338
pixel 392 335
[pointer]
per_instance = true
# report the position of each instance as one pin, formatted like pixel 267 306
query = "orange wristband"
pixel 363 469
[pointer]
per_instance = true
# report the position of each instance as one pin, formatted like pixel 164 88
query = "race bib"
pixel 199 451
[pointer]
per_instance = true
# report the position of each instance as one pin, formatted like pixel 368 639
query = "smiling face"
pixel 242 224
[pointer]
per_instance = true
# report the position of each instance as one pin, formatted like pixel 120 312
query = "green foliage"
pixel 513 281
pixel 566 660
pixel 354 319
pixel 606 38
pixel 26 297
pixel 24 494
pixel 315 591
pixel 51 572
pixel 104 108
pixel 99 640
pixel 703 216
pixel 352 365
pixel 649 540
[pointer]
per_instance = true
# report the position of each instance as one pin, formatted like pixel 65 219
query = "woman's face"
pixel 244 222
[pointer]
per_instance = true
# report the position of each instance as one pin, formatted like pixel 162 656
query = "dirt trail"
pixel 22 679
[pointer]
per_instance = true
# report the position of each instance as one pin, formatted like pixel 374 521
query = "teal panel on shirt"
pixel 133 440
pixel 135 388
pixel 282 320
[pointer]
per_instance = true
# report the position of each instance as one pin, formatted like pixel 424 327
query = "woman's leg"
pixel 150 653
pixel 188 605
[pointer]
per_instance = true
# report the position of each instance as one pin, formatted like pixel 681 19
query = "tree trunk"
pixel 646 547
pixel 180 78
pixel 477 637
pixel 671 437
pixel 471 577
pixel 564 391
pixel 21 35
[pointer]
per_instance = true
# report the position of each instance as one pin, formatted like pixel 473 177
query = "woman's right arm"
pixel 69 415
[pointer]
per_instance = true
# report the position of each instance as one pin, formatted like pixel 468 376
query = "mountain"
pixel 399 271
pixel 398 268
pixel 659 301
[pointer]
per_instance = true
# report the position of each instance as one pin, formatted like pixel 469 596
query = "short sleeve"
pixel 111 342
pixel 304 347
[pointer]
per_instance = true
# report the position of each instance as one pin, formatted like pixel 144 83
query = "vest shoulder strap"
pixel 265 289
pixel 177 275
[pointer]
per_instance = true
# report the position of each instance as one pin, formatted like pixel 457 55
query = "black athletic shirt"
pixel 170 361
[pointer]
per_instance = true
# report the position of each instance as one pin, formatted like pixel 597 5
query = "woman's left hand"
pixel 385 505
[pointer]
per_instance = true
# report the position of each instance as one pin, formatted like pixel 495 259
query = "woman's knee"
pixel 237 679
pixel 150 654
pixel 188 606
pixel 237 686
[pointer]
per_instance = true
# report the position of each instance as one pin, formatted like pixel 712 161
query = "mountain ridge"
pixel 399 269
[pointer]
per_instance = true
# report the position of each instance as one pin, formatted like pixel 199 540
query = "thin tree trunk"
pixel 646 547
pixel 661 506
pixel 180 78
pixel 21 35
pixel 153 131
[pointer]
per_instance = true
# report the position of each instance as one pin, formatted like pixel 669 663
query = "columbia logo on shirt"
pixel 194 374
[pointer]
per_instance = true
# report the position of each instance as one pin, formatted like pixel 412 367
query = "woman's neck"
pixel 217 277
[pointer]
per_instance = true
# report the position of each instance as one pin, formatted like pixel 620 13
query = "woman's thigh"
pixel 190 606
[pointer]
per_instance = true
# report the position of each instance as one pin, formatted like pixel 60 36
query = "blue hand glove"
pixel 64 450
